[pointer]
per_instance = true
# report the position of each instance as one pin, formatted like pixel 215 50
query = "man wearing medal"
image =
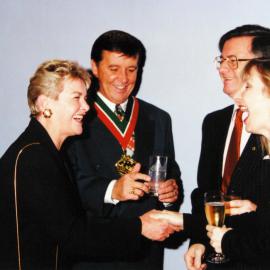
pixel 110 160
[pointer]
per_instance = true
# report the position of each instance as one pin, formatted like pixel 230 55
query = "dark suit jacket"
pixel 94 154
pixel 249 241
pixel 245 178
pixel 51 222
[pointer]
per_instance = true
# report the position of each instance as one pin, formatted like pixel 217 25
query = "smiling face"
pixel 117 74
pixel 257 101
pixel 231 78
pixel 68 109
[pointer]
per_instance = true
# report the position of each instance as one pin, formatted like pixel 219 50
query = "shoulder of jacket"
pixel 152 108
pixel 215 115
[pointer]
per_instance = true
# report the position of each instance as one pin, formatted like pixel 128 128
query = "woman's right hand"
pixel 194 256
pixel 216 235
pixel 238 207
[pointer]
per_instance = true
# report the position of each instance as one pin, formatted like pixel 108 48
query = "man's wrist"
pixel 108 195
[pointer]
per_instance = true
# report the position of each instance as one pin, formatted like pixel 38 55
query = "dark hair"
pixel 261 46
pixel 118 41
pixel 263 67
pixel 252 30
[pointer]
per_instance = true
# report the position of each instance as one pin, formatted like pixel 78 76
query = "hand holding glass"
pixel 215 214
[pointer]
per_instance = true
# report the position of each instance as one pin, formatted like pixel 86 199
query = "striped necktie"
pixel 131 145
pixel 119 112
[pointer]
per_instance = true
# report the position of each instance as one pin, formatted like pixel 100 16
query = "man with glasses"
pixel 229 156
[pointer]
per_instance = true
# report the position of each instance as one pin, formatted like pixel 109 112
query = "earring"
pixel 47 113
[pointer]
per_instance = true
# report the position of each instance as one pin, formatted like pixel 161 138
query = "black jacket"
pixel 52 226
pixel 249 241
pixel 245 179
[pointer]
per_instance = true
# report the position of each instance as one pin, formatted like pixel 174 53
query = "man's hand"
pixel 238 207
pixel 156 229
pixel 168 191
pixel 193 257
pixel 174 218
pixel 216 234
pixel 127 188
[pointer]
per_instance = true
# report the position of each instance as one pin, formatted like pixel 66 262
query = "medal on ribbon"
pixel 125 164
pixel 121 130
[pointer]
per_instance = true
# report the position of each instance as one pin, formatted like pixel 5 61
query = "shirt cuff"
pixel 108 195
pixel 167 204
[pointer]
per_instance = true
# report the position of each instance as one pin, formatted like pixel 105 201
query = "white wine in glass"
pixel 214 205
pixel 215 213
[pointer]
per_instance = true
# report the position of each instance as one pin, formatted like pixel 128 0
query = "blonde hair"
pixel 48 80
pixel 262 66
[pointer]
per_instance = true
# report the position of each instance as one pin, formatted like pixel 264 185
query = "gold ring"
pixel 132 191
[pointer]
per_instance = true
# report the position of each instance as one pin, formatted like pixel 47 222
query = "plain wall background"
pixel 181 39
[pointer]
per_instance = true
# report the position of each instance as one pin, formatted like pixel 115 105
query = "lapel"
pixel 39 133
pixel 107 149
pixel 144 137
pixel 248 160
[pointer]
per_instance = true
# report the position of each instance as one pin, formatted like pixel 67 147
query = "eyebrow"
pixel 115 65
pixel 228 55
pixel 77 92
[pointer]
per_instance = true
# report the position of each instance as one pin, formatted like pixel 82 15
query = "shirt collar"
pixel 235 108
pixel 110 104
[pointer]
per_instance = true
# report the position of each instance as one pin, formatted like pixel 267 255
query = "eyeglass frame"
pixel 218 63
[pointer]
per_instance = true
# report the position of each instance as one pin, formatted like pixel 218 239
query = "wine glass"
pixel 215 213
pixel 157 172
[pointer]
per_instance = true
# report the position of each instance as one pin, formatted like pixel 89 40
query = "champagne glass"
pixel 215 214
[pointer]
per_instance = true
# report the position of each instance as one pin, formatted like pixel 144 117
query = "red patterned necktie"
pixel 233 153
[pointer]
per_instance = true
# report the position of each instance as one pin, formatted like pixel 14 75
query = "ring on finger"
pixel 132 191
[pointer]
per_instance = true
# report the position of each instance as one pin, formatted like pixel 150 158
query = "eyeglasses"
pixel 232 61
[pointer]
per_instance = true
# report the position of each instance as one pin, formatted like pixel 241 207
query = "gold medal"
pixel 125 164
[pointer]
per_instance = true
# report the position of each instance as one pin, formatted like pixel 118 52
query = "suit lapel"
pixel 144 138
pixel 43 137
pixel 105 142
pixel 249 158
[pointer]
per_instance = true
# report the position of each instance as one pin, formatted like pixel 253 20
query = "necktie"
pixel 233 153
pixel 119 112
pixel 131 144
